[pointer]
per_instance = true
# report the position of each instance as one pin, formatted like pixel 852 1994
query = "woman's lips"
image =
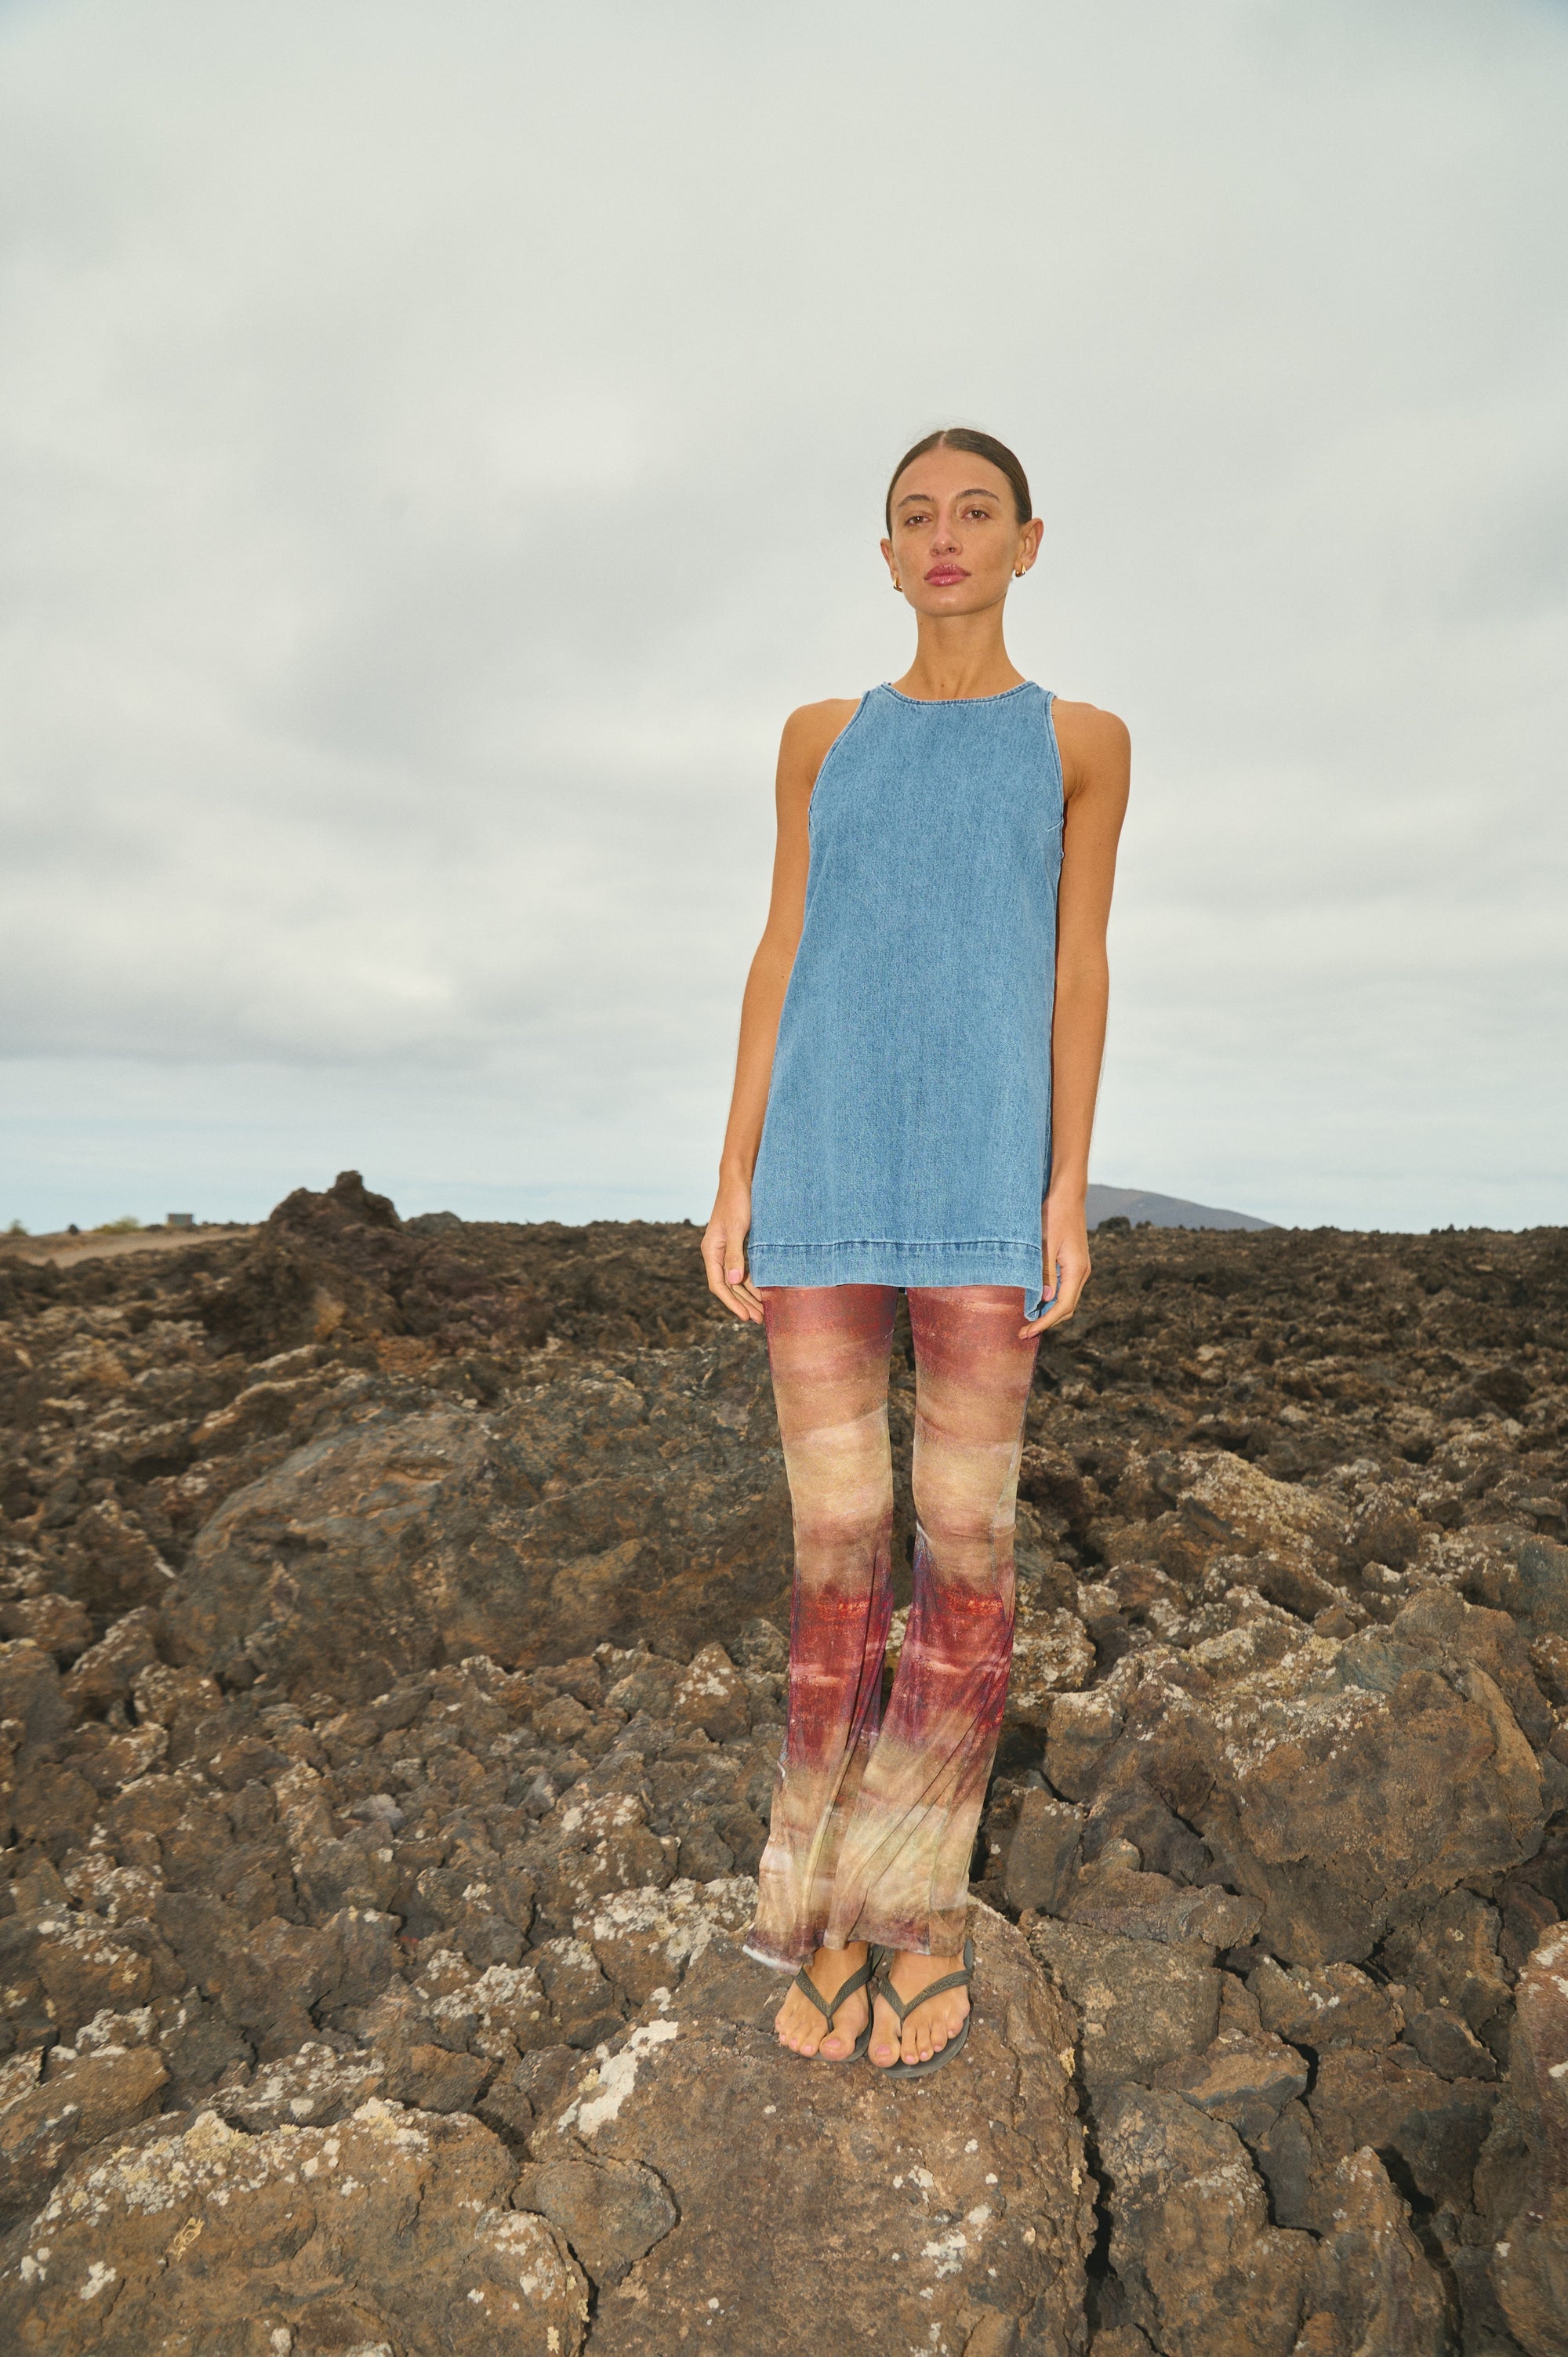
pixel 942 576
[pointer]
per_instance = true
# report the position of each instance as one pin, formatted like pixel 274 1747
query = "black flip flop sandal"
pixel 829 2009
pixel 885 1988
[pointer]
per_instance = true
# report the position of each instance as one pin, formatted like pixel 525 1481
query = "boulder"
pixel 307 2089
pixel 1448 2045
pixel 391 2229
pixel 1232 1505
pixel 55 1624
pixel 712 1695
pixel 51 2112
pixel 1202 2271
pixel 1448 1958
pixel 647 1940
pixel 1041 1853
pixel 1354 1783
pixel 1113 1894
pixel 1080 1730
pixel 406 1540
pixel 85 1968
pixel 1372 2291
pixel 611 2211
pixel 30 1697
pixel 1136 2004
pixel 1529 2251
pixel 1539 1596
pixel 1386 2097
pixel 1245 2078
pixel 1052 1655
pixel 107 1671
pixel 1324 2005
pixel 970 2203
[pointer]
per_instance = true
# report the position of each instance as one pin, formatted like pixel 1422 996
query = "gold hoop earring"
pixel 1019 572
pixel 897 584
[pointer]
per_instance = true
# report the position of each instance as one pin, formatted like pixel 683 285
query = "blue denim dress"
pixel 907 1139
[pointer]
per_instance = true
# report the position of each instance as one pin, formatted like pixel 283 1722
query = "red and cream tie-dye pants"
pixel 874 1820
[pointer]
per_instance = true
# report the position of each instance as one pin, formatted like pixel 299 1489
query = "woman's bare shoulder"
pixel 810 734
pixel 1096 748
pixel 815 725
pixel 1088 726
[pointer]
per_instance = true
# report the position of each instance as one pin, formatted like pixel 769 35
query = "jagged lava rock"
pixel 1353 1782
pixel 393 2228
pixel 954 2207
pixel 492 1488
pixel 407 1540
pixel 1525 2182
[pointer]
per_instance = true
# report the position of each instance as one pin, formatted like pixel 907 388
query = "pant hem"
pixel 898 1941
pixel 775 1964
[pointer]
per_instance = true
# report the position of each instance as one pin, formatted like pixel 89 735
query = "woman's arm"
pixel 1095 762
pixel 807 735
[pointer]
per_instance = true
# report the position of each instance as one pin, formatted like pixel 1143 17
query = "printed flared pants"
pixel 873 1822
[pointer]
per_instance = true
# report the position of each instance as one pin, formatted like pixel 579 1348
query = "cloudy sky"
pixel 437 446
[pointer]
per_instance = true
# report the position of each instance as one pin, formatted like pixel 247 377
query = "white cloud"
pixel 439 447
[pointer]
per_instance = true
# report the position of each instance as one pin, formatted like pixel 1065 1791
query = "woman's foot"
pixel 803 2029
pixel 930 2027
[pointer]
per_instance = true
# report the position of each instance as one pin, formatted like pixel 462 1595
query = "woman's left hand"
pixel 1065 1235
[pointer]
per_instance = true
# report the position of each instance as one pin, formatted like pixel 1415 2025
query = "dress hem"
pixel 986 1260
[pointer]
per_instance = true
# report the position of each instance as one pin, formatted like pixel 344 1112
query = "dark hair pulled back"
pixel 982 445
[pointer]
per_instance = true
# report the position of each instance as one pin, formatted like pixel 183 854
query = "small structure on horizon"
pixel 179 1219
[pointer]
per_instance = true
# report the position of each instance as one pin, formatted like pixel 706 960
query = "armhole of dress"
pixel 1050 695
pixel 827 758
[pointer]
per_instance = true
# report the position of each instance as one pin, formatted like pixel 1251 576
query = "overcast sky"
pixel 438 445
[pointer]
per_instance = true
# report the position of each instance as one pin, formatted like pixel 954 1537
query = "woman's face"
pixel 956 541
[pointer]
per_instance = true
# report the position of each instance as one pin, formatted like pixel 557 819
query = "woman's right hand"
pixel 723 1252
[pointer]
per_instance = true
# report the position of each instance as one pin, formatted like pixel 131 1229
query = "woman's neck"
pixel 958 657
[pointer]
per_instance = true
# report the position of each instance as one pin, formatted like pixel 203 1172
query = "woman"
pixel 919 1051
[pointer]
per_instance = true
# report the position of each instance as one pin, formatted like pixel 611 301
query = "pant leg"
pixel 903 1873
pixel 827 1348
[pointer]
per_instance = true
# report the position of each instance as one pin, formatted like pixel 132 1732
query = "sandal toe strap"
pixel 938 1988
pixel 828 2007
pixel 809 1988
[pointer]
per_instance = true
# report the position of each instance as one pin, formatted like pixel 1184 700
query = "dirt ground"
pixel 65 1250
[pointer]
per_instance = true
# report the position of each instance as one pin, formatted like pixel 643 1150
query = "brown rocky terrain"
pixel 392 1677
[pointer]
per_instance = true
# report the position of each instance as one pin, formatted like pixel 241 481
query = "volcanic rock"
pixel 1372 2291
pixel 1137 2004
pixel 391 1686
pixel 393 2228
pixel 1203 2271
pixel 1523 2179
pixel 974 2199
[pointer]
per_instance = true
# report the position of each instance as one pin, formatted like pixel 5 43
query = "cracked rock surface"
pixel 391 1653
pixel 970 2186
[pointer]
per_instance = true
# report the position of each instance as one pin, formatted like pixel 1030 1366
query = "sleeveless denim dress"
pixel 907 1137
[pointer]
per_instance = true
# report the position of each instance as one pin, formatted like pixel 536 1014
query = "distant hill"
pixel 1163 1210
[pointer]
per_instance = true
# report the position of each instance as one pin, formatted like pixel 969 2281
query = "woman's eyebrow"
pixel 925 498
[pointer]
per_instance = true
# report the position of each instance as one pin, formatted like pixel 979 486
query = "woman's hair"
pixel 983 445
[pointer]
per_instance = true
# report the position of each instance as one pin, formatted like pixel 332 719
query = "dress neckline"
pixel 943 703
